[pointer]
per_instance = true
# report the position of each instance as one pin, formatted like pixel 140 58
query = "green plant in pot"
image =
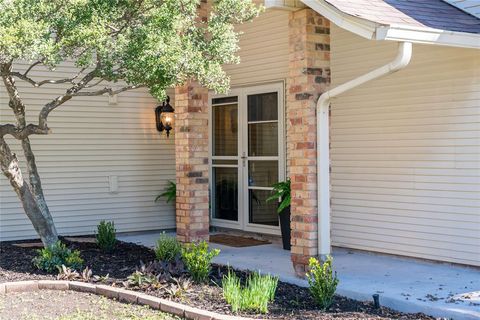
pixel 281 193
pixel 170 192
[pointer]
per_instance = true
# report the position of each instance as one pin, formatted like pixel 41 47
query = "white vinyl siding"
pixel 405 152
pixel 263 50
pixel 91 141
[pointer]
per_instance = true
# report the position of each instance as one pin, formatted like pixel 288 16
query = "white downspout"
pixel 323 140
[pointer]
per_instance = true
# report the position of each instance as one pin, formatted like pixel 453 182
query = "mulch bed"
pixel 291 301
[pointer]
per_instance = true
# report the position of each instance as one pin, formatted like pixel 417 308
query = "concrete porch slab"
pixel 403 284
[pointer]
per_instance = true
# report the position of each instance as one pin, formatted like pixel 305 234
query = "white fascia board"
pixel 401 33
pixel 428 36
pixel 345 21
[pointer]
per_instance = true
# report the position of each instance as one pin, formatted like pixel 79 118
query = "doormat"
pixel 236 241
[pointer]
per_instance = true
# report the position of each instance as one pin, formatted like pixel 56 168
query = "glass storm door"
pixel 247 150
pixel 224 186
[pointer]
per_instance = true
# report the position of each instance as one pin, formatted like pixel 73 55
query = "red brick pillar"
pixel 191 155
pixel 309 75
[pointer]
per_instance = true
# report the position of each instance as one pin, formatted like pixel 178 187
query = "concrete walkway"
pixel 403 284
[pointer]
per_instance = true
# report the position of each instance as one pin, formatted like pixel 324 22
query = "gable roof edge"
pixel 359 26
pixel 375 31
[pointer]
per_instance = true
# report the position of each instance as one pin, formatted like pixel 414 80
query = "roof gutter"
pixel 402 59
pixel 393 32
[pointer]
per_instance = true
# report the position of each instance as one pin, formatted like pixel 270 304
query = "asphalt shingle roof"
pixel 416 13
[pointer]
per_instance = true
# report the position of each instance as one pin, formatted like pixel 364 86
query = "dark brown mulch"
pixel 291 302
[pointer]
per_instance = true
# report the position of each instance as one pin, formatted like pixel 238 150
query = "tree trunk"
pixel 30 194
pixel 36 184
pixel 33 206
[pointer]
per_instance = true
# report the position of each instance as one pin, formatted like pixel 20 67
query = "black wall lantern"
pixel 164 117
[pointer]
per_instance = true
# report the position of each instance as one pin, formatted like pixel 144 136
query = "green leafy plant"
pixel 179 287
pixel 198 260
pixel 232 290
pixel 102 279
pixel 141 279
pixel 65 273
pixel 258 292
pixel 121 45
pixel 281 192
pixel 322 282
pixel 168 248
pixel 52 258
pixel 170 192
pixel 106 235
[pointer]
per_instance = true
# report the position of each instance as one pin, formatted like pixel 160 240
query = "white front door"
pixel 247 157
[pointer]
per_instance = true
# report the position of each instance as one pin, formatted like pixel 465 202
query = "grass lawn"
pixel 70 305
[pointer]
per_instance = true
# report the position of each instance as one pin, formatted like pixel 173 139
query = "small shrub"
pixel 106 235
pixel 52 258
pixel 322 281
pixel 258 292
pixel 198 260
pixel 168 248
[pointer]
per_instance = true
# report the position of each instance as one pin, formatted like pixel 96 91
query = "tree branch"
pixel 19 133
pixel 108 90
pixel 36 84
pixel 95 84
pixel 55 103
pixel 31 67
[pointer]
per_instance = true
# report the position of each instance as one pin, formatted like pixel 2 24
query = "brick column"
pixel 191 155
pixel 309 76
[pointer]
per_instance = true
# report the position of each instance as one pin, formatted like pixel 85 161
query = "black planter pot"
pixel 285 227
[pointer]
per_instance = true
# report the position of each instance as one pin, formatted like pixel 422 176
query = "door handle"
pixel 244 159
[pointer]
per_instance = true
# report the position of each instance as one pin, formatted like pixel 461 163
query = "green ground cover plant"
pixel 51 258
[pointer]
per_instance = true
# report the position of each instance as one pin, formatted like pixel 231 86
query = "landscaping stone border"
pixel 120 294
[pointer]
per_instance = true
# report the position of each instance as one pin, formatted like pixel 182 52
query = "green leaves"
pixel 168 248
pixel 106 235
pixel 322 281
pixel 50 259
pixel 281 192
pixel 158 44
pixel 170 192
pixel 259 290
pixel 198 260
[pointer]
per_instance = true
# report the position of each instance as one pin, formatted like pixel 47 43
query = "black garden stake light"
pixel 164 117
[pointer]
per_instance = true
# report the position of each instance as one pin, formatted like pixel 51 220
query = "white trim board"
pixel 242 156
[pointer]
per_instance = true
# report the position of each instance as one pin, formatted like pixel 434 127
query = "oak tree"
pixel 115 46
